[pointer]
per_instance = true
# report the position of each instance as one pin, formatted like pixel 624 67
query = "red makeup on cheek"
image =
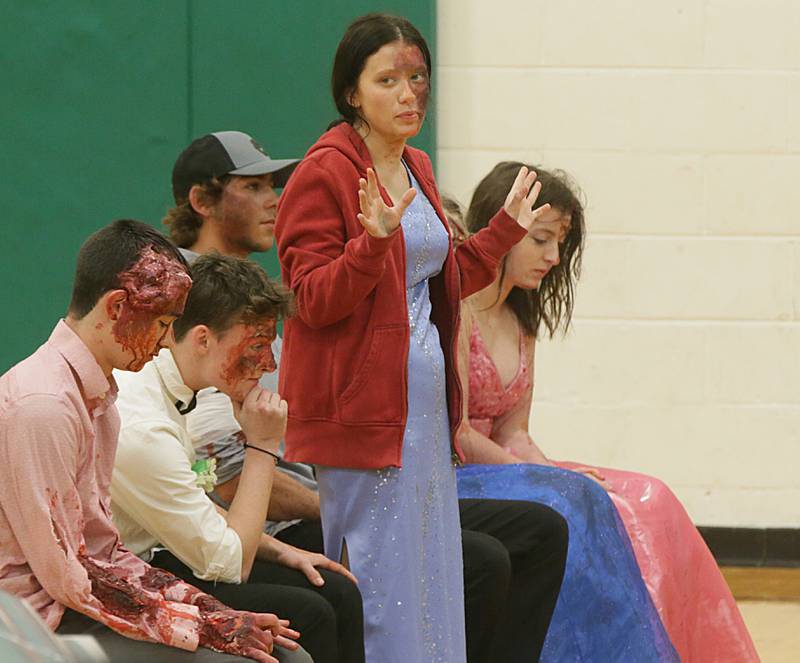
pixel 157 285
pixel 410 58
pixel 243 360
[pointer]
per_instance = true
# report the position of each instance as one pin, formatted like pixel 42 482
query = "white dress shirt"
pixel 216 434
pixel 155 496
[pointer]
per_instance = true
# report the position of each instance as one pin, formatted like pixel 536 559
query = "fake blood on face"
pixel 251 356
pixel 157 286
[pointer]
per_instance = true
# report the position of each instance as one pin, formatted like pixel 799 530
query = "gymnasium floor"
pixel 770 603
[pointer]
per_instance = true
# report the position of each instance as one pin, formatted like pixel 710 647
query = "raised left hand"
pixel 308 562
pixel 522 197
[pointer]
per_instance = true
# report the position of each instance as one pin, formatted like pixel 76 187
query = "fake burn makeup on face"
pixel 157 286
pixel 252 355
pixel 409 60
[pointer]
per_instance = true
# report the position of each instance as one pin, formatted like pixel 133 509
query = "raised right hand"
pixel 378 219
pixel 262 416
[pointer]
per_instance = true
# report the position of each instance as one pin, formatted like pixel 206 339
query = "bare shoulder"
pixel 467 314
pixel 530 344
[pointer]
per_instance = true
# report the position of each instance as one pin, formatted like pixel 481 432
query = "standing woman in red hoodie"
pixel 369 363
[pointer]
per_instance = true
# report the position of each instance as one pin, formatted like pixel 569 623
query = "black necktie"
pixel 186 409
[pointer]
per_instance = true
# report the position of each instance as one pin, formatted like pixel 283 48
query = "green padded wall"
pixel 100 97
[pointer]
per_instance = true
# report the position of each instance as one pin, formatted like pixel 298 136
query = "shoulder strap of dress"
pixel 523 354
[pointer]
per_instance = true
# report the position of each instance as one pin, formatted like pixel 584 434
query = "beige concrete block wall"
pixel 681 122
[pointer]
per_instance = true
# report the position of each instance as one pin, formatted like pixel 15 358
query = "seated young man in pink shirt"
pixel 59 550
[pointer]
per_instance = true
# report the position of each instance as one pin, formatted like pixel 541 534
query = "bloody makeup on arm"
pixel 132 609
pixel 222 628
pixel 118 596
pixel 173 588
pixel 157 285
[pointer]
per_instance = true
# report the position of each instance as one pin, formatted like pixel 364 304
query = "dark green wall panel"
pixel 99 98
pixel 279 89
pixel 280 86
pixel 93 99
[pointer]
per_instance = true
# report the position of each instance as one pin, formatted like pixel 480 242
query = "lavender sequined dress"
pixel 401 526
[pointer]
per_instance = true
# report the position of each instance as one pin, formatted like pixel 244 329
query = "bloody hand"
pixel 244 633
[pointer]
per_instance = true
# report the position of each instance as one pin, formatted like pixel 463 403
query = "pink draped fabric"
pixel 692 598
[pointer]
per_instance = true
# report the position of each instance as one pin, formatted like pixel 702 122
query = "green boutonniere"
pixel 206 475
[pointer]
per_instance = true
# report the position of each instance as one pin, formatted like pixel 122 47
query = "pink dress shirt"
pixel 58 546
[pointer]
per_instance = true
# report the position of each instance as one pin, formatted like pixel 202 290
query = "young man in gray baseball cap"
pixel 224 188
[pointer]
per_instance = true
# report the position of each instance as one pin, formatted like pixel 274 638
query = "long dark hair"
pixel 363 37
pixel 552 303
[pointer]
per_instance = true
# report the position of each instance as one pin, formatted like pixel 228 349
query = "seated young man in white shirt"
pixel 158 490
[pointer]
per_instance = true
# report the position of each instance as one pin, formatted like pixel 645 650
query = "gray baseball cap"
pixel 225 153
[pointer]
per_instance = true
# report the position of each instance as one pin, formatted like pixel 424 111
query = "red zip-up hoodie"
pixel 344 356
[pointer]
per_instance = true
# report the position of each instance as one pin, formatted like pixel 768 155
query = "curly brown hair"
pixel 184 222
pixel 226 291
pixel 552 302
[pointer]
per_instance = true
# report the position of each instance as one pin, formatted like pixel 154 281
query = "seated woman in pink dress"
pixel 534 293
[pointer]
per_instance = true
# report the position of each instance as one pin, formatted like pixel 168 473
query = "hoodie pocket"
pixel 376 392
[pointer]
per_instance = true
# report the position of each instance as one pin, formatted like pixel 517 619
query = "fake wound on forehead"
pixel 265 327
pixel 262 319
pixel 155 282
pixel 410 57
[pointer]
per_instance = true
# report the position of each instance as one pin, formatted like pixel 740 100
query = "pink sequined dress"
pixel 692 598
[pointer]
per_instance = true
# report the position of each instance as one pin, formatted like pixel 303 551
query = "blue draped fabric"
pixel 604 612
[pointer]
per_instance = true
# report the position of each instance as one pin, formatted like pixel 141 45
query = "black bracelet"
pixel 275 456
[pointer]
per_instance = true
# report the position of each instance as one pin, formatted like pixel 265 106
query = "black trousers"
pixel 514 558
pixel 330 618
pixel 512 618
